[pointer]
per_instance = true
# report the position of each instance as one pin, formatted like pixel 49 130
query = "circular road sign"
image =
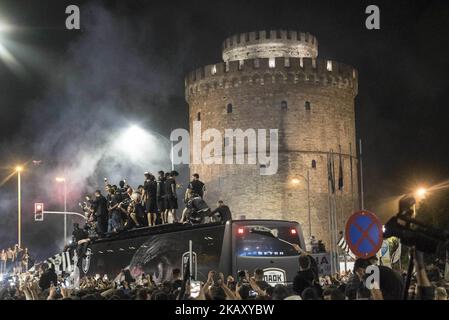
pixel 364 234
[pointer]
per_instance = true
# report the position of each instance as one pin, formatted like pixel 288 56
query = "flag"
pixel 343 245
pixel 396 255
pixel 61 262
pixel 330 173
pixel 340 172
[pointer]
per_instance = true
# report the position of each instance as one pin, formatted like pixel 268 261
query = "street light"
pixel 421 193
pixel 60 179
pixel 19 169
pixel 296 181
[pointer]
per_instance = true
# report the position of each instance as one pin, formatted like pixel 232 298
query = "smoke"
pixel 107 85
pixel 106 113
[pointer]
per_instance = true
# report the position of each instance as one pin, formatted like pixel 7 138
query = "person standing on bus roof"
pixel 171 197
pixel 222 211
pixel 160 195
pixel 150 197
pixel 196 186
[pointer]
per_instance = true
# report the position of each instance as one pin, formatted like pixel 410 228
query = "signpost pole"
pixel 191 258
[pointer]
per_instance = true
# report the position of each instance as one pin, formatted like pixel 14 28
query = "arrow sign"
pixel 364 234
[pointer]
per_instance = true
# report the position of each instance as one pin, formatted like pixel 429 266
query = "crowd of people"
pixel 14 260
pixel 152 203
pixel 156 202
pixel 45 284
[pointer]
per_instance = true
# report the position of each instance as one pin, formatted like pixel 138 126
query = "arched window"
pixel 313 164
pixel 284 105
pixel 229 108
pixel 198 116
pixel 307 106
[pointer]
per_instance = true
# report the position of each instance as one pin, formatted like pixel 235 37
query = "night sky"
pixel 127 65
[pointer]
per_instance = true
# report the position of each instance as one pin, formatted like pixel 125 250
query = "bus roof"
pixel 174 227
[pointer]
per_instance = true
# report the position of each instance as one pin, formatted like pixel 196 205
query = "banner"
pixel 323 261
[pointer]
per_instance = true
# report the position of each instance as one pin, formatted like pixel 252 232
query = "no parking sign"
pixel 364 234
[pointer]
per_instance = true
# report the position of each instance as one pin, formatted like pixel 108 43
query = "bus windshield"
pixel 255 244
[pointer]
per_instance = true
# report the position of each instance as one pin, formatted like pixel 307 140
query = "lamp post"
pixel 59 179
pixel 296 181
pixel 19 207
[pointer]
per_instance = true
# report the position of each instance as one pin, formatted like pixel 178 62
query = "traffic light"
pixel 38 212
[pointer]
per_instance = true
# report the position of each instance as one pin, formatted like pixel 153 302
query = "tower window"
pixel 241 62
pixel 256 63
pixel 229 108
pixel 257 35
pixel 287 62
pixel 289 34
pixel 329 65
pixel 226 141
pixel 284 105
pixel 213 70
pixel 268 34
pixel 278 34
pixel 247 36
pixel 272 63
pixel 313 164
pixel 307 106
pixel 227 66
pixel 198 116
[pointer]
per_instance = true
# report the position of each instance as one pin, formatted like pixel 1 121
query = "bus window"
pixel 252 244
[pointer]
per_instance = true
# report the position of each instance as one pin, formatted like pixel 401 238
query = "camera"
pixel 414 233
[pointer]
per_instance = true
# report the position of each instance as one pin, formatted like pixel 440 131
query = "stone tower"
pixel 274 80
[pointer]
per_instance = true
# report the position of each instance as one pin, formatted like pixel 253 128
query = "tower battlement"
pixel 270 44
pixel 264 71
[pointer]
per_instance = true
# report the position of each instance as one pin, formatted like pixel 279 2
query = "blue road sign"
pixel 364 234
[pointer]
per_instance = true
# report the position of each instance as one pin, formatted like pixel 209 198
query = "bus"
pixel 225 247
